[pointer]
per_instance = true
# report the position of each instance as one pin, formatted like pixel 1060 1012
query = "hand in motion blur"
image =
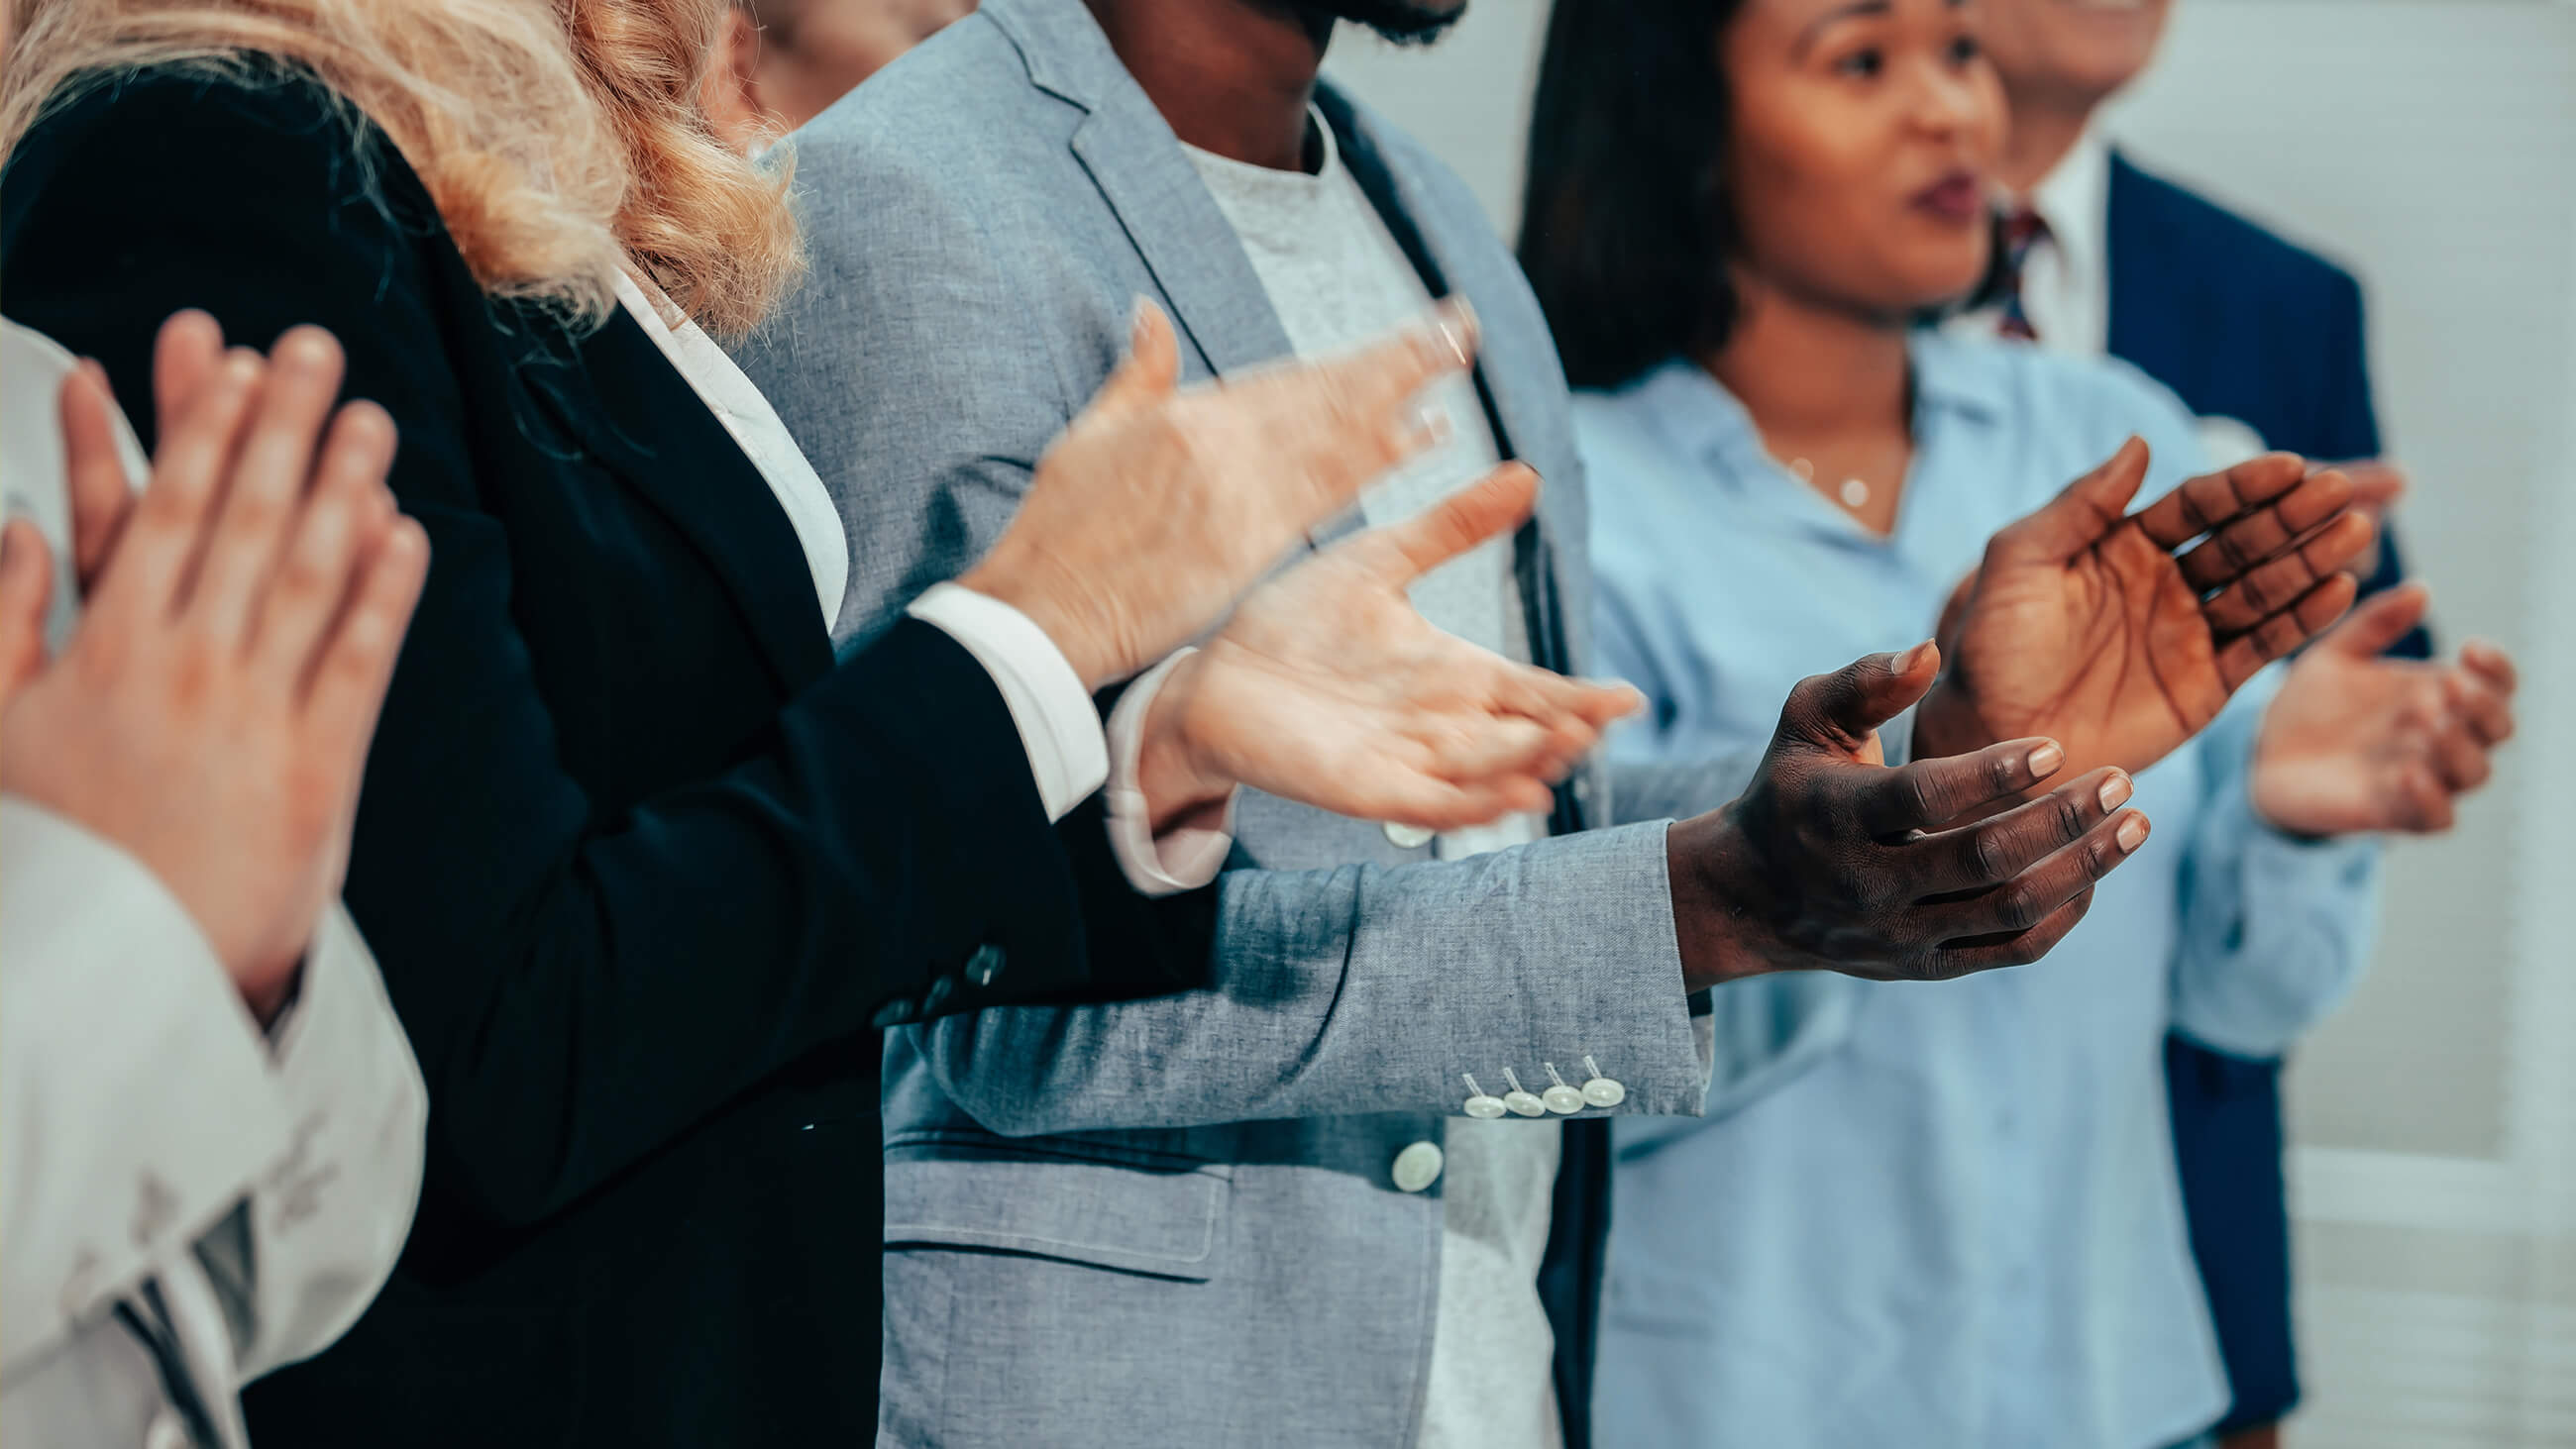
pixel 212 709
pixel 2359 742
pixel 1831 861
pixel 1161 505
pixel 2099 628
pixel 1327 687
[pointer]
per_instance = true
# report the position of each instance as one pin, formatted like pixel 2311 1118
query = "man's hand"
pixel 1161 505
pixel 212 710
pixel 2357 742
pixel 1833 862
pixel 1326 687
pixel 2084 624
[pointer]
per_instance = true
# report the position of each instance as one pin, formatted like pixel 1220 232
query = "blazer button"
pixel 985 964
pixel 1406 837
pixel 1418 1166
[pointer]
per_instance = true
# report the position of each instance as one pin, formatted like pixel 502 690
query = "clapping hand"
pixel 2357 742
pixel 212 709
pixel 2099 628
pixel 1161 504
pixel 1830 861
pixel 1328 688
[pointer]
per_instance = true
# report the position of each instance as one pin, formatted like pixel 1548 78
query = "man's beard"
pixel 1406 22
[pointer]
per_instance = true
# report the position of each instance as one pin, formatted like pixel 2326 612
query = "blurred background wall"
pixel 2431 146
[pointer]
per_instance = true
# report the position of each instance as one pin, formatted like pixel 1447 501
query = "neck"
pixel 2044 128
pixel 1814 373
pixel 1230 76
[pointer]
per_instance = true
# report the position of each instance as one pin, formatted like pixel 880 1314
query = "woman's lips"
pixel 1956 197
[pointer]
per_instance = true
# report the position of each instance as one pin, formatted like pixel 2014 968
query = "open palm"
pixel 2084 623
pixel 1327 686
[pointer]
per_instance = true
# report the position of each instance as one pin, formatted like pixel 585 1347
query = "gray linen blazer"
pixel 1174 1221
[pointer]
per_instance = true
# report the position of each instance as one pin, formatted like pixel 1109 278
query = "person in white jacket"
pixel 211 1124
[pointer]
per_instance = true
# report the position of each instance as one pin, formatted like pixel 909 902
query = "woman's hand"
pixel 1160 505
pixel 1327 687
pixel 2085 624
pixel 2358 742
pixel 212 710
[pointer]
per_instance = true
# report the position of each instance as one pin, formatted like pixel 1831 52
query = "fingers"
pixel 1352 416
pixel 2376 486
pixel 2274 586
pixel 26 582
pixel 2377 622
pixel 1993 852
pixel 1495 505
pixel 94 463
pixel 2204 504
pixel 2239 545
pixel 357 659
pixel 2031 898
pixel 1839 711
pixel 2426 808
pixel 2021 949
pixel 265 494
pixel 183 357
pixel 1928 794
pixel 145 577
pixel 1433 804
pixel 1152 367
pixel 2285 631
pixel 341 524
pixel 2491 665
pixel 2090 507
pixel 2460 760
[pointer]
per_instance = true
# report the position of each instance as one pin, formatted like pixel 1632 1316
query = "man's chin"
pixel 1406 22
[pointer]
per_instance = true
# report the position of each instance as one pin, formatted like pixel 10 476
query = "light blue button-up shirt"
pixel 1947 1214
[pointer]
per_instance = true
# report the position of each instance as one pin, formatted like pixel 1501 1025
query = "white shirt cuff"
pixel 1189 855
pixel 1059 727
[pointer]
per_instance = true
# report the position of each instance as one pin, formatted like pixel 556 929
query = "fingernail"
pixel 2116 792
pixel 1136 322
pixel 2045 760
pixel 1913 659
pixel 1457 323
pixel 2133 831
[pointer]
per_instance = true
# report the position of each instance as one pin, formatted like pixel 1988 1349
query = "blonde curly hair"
pixel 560 139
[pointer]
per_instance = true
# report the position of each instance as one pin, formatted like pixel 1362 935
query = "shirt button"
pixel 1406 837
pixel 985 964
pixel 1418 1166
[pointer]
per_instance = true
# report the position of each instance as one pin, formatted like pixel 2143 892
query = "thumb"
pixel 1841 710
pixel 1494 505
pixel 2378 622
pixel 2072 521
pixel 26 582
pixel 1152 367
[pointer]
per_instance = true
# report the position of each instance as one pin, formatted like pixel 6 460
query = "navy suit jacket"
pixel 2241 324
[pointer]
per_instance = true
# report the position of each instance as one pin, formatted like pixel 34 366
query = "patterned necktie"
pixel 2023 230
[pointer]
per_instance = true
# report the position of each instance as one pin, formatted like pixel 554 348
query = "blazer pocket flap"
pixel 1169 1221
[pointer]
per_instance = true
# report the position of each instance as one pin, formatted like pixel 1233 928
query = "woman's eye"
pixel 1965 49
pixel 1861 63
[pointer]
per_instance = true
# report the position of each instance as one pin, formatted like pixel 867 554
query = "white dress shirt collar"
pixel 2066 279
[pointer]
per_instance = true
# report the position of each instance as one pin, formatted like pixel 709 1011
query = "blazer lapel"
pixel 633 410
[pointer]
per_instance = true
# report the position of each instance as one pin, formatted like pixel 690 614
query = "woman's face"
pixel 1862 138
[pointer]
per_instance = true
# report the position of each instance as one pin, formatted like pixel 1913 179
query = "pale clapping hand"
pixel 1161 505
pixel 1327 687
pixel 212 709
pixel 2357 742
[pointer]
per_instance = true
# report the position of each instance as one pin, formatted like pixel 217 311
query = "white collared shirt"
pixel 2066 279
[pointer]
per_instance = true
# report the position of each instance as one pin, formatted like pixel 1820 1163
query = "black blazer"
pixel 641 863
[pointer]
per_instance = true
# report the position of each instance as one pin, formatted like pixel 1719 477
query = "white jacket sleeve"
pixel 140 1103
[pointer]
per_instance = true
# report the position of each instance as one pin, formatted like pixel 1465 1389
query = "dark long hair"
pixel 1626 225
